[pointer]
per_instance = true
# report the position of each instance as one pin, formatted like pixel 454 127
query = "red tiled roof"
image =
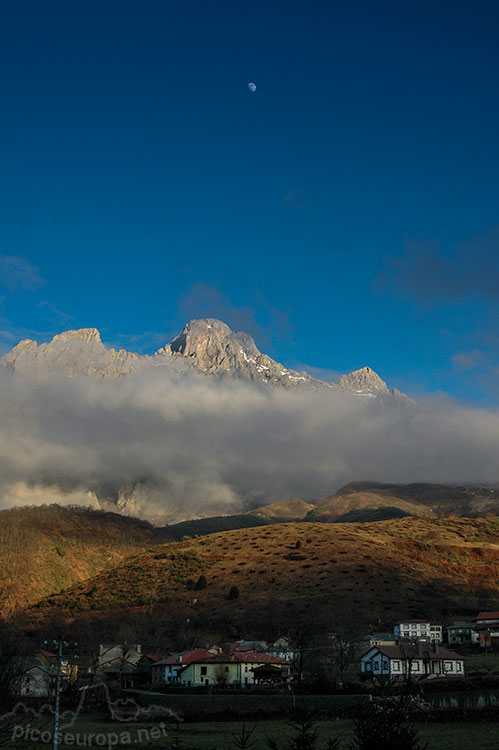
pixel 487 616
pixel 406 651
pixel 187 657
pixel 238 658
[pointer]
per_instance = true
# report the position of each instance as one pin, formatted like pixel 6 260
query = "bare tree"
pixel 13 666
pixel 221 676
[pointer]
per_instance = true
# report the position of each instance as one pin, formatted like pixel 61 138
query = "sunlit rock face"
pixel 207 345
pixel 71 353
pixel 211 347
pixel 365 382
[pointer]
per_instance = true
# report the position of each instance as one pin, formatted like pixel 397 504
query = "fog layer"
pixel 168 446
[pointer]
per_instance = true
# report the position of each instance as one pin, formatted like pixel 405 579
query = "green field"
pixel 220 735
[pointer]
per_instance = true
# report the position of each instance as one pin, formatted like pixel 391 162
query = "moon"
pixel 252 86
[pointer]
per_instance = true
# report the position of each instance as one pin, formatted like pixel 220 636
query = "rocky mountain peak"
pixel 24 346
pixel 207 344
pixel 76 352
pixel 201 337
pixel 88 335
pixel 212 347
pixel 365 382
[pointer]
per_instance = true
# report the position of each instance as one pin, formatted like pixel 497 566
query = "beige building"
pixel 227 669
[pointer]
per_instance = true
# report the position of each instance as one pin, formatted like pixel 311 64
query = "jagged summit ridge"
pixel 207 345
pixel 79 352
pixel 212 347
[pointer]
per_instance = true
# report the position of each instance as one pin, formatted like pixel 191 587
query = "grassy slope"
pixel 293 509
pixel 364 506
pixel 46 549
pixel 473 501
pixel 403 567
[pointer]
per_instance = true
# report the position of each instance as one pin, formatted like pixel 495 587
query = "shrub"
pixel 201 583
pixel 234 593
pixel 242 739
pixel 385 725
pixel 304 737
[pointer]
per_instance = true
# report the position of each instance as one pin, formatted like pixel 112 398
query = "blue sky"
pixel 345 213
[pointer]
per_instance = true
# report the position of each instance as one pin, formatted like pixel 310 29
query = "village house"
pixel 35 678
pixel 213 667
pixel 377 639
pixel 406 660
pixel 112 655
pixel 420 630
pixel 282 648
pixel 485 631
pixel 243 645
pixel 460 632
pixel 167 671
pixel 118 665
pixel 236 668
pixel 69 664
pixel 270 674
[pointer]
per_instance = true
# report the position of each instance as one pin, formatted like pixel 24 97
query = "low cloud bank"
pixel 169 446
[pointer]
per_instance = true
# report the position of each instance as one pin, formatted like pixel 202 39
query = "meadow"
pixel 95 730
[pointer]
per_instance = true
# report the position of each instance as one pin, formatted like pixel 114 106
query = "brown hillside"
pixel 364 506
pixel 292 509
pixel 45 549
pixel 472 501
pixel 404 567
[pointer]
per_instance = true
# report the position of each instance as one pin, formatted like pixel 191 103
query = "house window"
pixel 459 666
pixel 226 669
pixel 396 666
pixel 204 670
pixel 449 666
pixel 368 666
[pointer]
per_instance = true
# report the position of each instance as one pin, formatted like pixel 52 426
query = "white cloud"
pixel 176 445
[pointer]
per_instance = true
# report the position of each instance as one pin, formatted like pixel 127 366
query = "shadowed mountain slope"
pixel 395 568
pixel 45 549
pixel 48 548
